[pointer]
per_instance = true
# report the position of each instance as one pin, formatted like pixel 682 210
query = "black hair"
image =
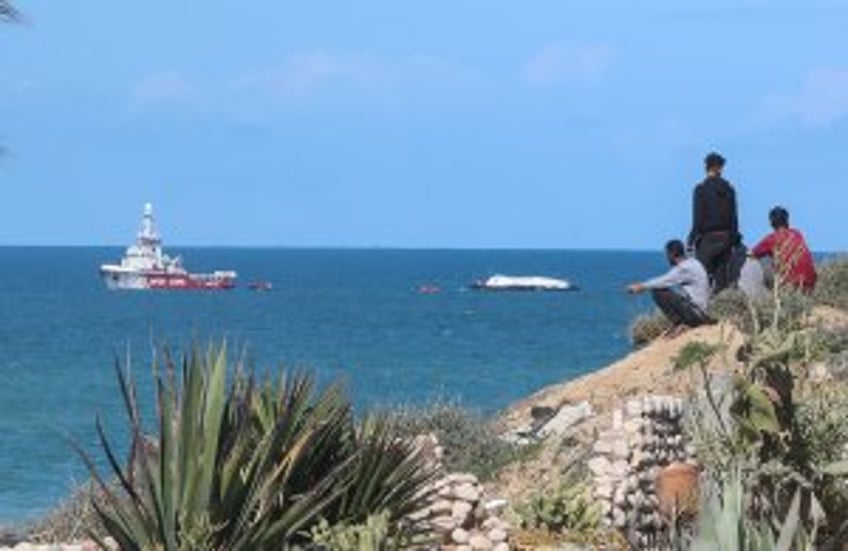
pixel 675 248
pixel 714 160
pixel 779 217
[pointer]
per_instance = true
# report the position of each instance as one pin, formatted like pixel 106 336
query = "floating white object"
pixel 523 283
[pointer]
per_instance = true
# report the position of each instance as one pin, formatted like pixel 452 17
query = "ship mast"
pixel 148 238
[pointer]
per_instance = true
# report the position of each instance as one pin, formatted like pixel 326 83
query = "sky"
pixel 480 123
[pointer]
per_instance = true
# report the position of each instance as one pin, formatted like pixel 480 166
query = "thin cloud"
pixel 164 88
pixel 559 63
pixel 822 100
pixel 307 73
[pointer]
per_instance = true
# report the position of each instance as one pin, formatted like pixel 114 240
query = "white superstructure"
pixel 145 266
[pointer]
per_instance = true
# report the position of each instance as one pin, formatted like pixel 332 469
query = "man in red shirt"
pixel 793 263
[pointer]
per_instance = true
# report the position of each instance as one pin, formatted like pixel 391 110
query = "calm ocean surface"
pixel 354 313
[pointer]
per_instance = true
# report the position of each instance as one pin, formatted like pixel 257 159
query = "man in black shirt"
pixel 715 227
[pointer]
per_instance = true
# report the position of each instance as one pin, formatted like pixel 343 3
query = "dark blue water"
pixel 354 313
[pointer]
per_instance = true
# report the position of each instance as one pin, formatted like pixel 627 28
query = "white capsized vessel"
pixel 145 266
pixel 523 283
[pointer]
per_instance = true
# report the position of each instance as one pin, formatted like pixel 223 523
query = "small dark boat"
pixel 260 286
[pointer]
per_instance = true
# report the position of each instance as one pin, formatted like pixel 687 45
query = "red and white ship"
pixel 144 266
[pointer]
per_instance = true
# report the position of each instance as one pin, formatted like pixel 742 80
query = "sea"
pixel 352 314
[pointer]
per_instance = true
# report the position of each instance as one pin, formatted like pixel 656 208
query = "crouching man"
pixel 683 292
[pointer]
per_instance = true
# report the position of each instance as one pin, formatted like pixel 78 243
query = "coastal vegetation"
pixel 237 462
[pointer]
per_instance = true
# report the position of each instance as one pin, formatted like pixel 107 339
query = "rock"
pixel 460 510
pixel 419 515
pixel 495 506
pixel 619 468
pixel 633 425
pixel 463 478
pixel 462 548
pixel 565 418
pixel 617 419
pixel 599 466
pixel 496 535
pixel 443 525
pixel 604 490
pixel 441 507
pixel 620 449
pixel 602 447
pixel 459 536
pixel 502 546
pixel 633 408
pixel 494 522
pixel 479 541
pixel 819 373
pixel 619 518
pixel 466 492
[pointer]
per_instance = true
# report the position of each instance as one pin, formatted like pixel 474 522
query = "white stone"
pixel 604 491
pixel 619 497
pixel 479 541
pixel 633 425
pixel 603 447
pixel 441 506
pixel 496 535
pixel 599 466
pixel 463 478
pixel 619 518
pixel 459 536
pixel 502 546
pixel 620 449
pixel 617 419
pixel 819 373
pixel 495 506
pixel 619 469
pixel 419 515
pixel 633 408
pixel 565 418
pixel 466 492
pixel 443 525
pixel 460 511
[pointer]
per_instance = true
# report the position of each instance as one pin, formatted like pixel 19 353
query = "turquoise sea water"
pixel 350 313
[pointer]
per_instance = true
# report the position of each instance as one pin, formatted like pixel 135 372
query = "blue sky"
pixel 479 123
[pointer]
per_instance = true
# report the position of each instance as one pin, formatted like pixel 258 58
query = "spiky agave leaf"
pixel 389 474
pixel 250 466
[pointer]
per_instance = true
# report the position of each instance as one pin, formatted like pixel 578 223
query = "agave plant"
pixel 249 465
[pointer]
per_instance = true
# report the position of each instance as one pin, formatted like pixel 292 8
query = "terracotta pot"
pixel 677 490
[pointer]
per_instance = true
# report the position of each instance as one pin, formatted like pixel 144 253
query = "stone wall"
pixel 459 513
pixel 645 438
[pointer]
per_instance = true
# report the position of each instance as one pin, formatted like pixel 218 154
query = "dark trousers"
pixel 715 252
pixel 678 308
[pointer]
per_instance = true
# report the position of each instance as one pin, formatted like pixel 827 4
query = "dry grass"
pixel 74 519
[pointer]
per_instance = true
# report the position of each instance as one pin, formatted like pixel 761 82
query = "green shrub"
pixel 731 305
pixel 567 508
pixel 648 327
pixel 250 464
pixel 832 285
pixel 374 534
pixel 470 442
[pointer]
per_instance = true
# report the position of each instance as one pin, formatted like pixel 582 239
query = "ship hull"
pixel 163 281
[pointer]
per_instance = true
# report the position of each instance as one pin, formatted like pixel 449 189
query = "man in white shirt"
pixel 682 293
